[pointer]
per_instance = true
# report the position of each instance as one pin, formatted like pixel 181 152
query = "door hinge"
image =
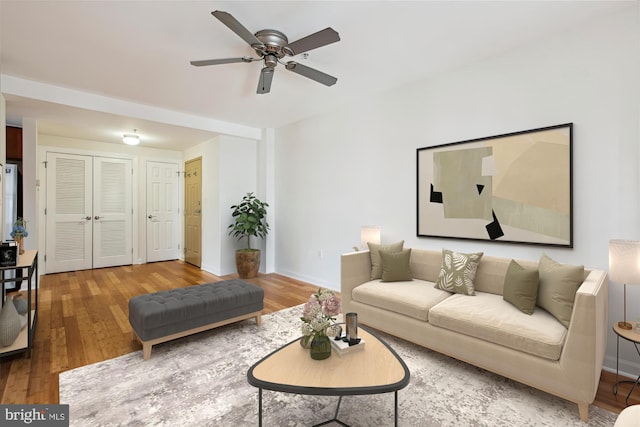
pixel 45 211
pixel 45 257
pixel 131 251
pixel 45 164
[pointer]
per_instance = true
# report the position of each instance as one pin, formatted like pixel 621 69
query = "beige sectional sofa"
pixel 484 329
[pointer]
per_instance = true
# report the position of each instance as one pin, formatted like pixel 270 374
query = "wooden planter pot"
pixel 248 263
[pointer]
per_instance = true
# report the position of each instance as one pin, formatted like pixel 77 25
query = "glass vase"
pixel 320 347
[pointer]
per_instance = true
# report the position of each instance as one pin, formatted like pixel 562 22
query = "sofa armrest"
pixel 584 350
pixel 355 269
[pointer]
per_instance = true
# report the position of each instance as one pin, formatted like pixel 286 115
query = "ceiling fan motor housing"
pixel 274 43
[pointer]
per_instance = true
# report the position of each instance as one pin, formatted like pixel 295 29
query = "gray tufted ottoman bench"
pixel 167 315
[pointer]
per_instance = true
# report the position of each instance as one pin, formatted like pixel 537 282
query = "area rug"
pixel 201 381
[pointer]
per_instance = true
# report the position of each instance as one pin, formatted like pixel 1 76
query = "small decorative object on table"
pixel 8 254
pixel 19 232
pixel 317 328
pixel 342 346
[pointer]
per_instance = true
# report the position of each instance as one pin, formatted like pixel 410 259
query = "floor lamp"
pixel 624 267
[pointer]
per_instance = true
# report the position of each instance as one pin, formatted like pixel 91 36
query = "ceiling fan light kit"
pixel 271 46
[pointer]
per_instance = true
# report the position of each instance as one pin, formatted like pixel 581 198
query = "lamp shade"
pixel 369 233
pixel 624 261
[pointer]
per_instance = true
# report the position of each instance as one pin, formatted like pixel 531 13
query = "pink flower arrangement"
pixel 318 314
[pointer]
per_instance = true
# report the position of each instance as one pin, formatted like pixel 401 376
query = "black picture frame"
pixel 510 188
pixel 8 255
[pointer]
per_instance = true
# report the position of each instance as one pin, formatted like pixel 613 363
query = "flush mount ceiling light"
pixel 131 138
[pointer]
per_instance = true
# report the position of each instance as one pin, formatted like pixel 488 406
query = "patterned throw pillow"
pixel 458 271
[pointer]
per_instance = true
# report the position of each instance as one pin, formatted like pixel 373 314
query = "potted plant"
pixel 249 220
pixel 19 232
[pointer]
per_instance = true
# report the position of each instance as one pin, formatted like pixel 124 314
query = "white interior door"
pixel 69 212
pixel 162 211
pixel 112 212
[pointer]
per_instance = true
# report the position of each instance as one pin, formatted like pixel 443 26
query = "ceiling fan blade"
pixel 311 73
pixel 235 26
pixel 264 84
pixel 314 41
pixel 220 61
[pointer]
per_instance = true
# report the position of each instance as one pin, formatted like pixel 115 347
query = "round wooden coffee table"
pixel 375 369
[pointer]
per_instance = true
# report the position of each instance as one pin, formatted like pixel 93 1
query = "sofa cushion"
pixel 395 265
pixel 458 271
pixel 489 317
pixel 558 286
pixel 521 287
pixel 374 252
pixel 413 299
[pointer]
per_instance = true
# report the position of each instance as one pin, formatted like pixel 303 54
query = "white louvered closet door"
pixel 112 212
pixel 69 212
pixel 89 212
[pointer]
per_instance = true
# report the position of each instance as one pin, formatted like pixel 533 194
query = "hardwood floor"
pixel 83 319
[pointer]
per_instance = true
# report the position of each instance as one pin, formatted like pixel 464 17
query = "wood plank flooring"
pixel 83 319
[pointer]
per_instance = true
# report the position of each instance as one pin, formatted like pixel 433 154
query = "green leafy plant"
pixel 249 219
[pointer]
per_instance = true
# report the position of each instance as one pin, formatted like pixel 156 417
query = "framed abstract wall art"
pixel 511 188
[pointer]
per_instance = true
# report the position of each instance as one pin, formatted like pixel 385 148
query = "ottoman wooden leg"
pixel 258 320
pixel 146 350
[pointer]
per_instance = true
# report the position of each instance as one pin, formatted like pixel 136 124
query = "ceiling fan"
pixel 271 46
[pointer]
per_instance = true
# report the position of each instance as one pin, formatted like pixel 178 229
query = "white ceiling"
pixel 137 53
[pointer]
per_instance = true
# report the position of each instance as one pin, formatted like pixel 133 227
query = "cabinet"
pixel 29 261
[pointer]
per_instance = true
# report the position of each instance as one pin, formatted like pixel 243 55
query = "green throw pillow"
pixel 395 265
pixel 558 286
pixel 521 287
pixel 458 271
pixel 376 264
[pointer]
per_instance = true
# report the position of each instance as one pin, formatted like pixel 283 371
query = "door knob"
pixel 88 217
pixel 151 216
pixel 97 217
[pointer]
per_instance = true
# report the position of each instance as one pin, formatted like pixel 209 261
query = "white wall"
pixel 356 166
pixel 229 171
pixel 29 166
